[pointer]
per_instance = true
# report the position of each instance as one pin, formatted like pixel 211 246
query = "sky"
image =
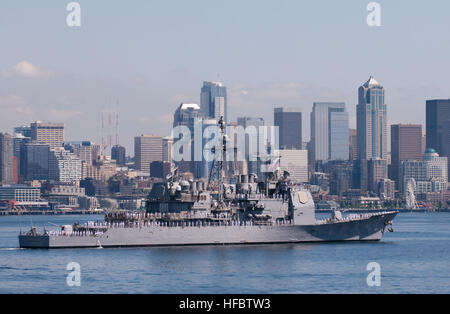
pixel 141 59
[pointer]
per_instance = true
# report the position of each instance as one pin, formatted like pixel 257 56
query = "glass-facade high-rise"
pixel 213 100
pixel 371 121
pixel 438 127
pixel 190 116
pixel 36 161
pixel 6 158
pixel 289 123
pixel 118 154
pixel 338 135
pixel 253 166
pixel 329 131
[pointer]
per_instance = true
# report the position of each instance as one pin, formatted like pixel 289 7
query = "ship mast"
pixel 219 150
pixel 222 151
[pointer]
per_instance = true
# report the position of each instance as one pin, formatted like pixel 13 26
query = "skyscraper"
pixel 294 161
pixel 51 134
pixel 24 130
pixel 188 115
pixel 371 121
pixel 19 152
pixel 147 148
pixel 253 166
pixel 340 176
pixel 6 158
pixel 64 166
pixel 406 144
pixel 213 100
pixel 438 126
pixel 289 123
pixel 83 150
pixel 167 149
pixel 36 161
pixel 118 154
pixel 377 171
pixel 329 132
pixel 353 144
pixel 205 166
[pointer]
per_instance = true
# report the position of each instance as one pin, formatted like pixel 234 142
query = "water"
pixel 413 259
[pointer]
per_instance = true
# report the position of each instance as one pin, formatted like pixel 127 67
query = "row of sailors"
pixel 260 196
pixel 132 215
pixel 195 223
pixel 192 223
pixel 83 233
pixel 153 216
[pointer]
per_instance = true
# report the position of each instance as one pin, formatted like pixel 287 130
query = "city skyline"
pixel 129 145
pixel 150 77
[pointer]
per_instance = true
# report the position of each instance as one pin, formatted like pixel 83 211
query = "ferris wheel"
pixel 411 202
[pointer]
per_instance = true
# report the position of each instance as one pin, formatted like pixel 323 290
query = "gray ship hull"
pixel 370 228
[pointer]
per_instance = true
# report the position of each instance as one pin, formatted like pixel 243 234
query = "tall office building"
pixel 371 121
pixel 386 189
pixel 98 152
pixel 438 127
pixel 6 159
pixel 340 176
pixel 51 134
pixel 167 149
pixel 213 100
pixel 189 115
pixel 83 150
pixel 289 123
pixel 101 170
pixel 253 166
pixel 64 166
pixel 186 115
pixel 205 166
pixel 406 144
pixel 19 152
pixel 24 130
pixel 377 171
pixel 329 132
pixel 294 161
pixel 118 154
pixel 147 148
pixel 353 144
pixel 36 161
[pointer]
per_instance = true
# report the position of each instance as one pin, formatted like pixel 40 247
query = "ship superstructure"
pixel 190 212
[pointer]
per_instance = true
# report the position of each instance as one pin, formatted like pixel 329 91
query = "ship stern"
pixel 34 241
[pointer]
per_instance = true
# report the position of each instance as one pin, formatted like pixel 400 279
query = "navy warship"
pixel 189 212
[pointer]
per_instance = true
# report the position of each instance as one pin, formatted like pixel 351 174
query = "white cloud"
pixel 29 70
